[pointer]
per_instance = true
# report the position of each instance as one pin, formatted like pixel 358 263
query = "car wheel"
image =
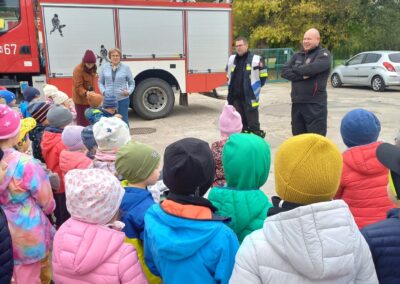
pixel 335 81
pixel 377 84
pixel 153 98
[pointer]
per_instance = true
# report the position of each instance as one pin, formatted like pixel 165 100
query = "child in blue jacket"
pixel 184 240
pixel 138 164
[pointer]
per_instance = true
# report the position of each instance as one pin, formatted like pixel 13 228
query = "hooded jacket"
pixel 52 147
pixel 26 198
pixel 242 200
pixel 133 207
pixel 70 160
pixel 184 250
pixel 318 243
pixel 363 185
pixel 384 242
pixel 90 253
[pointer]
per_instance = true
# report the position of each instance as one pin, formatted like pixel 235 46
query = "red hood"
pixel 70 160
pixel 50 142
pixel 52 146
pixel 363 159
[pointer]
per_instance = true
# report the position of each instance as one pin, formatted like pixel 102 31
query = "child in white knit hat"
pixel 48 90
pixel 90 247
pixel 61 98
pixel 230 122
pixel 110 134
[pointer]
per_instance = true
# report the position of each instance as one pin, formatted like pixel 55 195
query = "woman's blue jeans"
pixel 123 107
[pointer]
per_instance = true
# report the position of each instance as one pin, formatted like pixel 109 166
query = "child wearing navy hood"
pixel 383 237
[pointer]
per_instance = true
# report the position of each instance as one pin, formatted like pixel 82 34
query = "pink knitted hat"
pixel 93 195
pixel 230 121
pixel 10 122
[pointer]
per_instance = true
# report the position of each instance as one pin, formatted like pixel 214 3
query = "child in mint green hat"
pixel 246 160
pixel 139 166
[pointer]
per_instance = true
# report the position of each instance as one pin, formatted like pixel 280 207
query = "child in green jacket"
pixel 246 159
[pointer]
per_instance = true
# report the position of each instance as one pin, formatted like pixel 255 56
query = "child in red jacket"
pixel 364 178
pixel 52 145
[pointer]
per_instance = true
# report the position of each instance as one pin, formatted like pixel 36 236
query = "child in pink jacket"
pixel 74 157
pixel 89 247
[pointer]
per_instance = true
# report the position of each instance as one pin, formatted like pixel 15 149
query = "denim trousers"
pixel 123 107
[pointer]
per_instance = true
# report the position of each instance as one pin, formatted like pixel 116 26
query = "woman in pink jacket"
pixel 89 247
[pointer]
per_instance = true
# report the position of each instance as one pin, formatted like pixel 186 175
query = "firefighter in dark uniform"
pixel 308 70
pixel 246 75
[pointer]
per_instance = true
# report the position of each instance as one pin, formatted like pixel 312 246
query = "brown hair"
pixel 91 70
pixel 114 50
pixel 242 38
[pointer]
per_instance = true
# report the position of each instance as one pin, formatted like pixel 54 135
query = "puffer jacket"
pixel 90 253
pixel 6 251
pixel 133 207
pixel 363 185
pixel 70 160
pixel 114 87
pixel 52 146
pixel 246 170
pixel 318 243
pixel 384 242
pixel 188 250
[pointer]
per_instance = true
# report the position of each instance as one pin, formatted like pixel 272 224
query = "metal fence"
pixel 276 57
pixel 274 60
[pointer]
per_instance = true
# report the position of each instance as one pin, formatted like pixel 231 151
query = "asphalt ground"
pixel 200 118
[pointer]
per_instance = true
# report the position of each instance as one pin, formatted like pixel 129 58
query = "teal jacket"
pixel 246 159
pixel 183 250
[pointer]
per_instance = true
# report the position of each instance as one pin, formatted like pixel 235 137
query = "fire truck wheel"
pixel 153 98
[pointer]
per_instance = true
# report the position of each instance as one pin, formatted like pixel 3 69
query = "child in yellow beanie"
pixel 307 237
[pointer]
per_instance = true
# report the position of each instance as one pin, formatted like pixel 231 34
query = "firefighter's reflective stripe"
pixel 255 104
pixel 263 73
pixel 255 76
pixel 248 67
pixel 231 67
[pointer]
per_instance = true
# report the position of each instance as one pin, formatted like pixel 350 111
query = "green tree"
pixel 278 23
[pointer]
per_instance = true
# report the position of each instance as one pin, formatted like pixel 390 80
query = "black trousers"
pixel 61 212
pixel 309 118
pixel 249 115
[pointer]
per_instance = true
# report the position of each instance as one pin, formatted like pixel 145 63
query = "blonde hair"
pixel 114 50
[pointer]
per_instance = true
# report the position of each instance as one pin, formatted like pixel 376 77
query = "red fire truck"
pixel 170 47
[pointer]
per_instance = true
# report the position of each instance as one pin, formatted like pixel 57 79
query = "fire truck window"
pixel 9 14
